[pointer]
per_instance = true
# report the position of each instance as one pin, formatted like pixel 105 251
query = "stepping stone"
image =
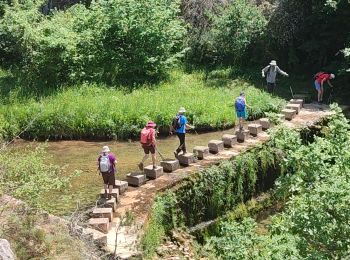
pixel 229 140
pixel 297 101
pixel 254 129
pixel 186 159
pixel 305 97
pixel 242 135
pixel 265 123
pixel 121 185
pixel 153 173
pixel 115 193
pixel 99 238
pixel 100 224
pixel 112 203
pixel 289 113
pixel 216 146
pixel 296 107
pixel 136 179
pixel 103 213
pixel 170 165
pixel 201 151
pixel 281 116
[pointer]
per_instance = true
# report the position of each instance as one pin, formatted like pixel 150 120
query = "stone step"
pixel 136 179
pixel 201 152
pixel 115 193
pixel 281 117
pixel 103 213
pixel 254 129
pixel 296 107
pixel 121 185
pixel 216 146
pixel 305 97
pixel 170 165
pixel 265 123
pixel 100 224
pixel 186 159
pixel 153 173
pixel 297 101
pixel 229 140
pixel 112 203
pixel 242 135
pixel 289 113
pixel 99 238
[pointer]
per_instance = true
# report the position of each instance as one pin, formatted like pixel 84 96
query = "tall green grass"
pixel 94 111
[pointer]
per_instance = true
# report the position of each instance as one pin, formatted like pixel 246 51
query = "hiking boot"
pixel 176 154
pixel 241 128
pixel 154 167
pixel 109 196
pixel 140 166
pixel 106 194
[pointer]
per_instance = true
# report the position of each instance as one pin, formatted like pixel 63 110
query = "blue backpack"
pixel 240 104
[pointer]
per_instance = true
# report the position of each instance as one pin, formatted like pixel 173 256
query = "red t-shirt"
pixel 323 77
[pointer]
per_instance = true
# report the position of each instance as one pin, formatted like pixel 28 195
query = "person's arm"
pixel 264 70
pixel 282 72
pixel 98 163
pixel 329 83
pixel 154 137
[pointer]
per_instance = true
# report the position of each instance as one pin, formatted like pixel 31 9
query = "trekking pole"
pixel 161 156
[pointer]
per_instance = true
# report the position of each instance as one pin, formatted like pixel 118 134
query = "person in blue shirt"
pixel 241 109
pixel 180 126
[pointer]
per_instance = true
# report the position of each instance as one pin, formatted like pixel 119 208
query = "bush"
pixel 110 41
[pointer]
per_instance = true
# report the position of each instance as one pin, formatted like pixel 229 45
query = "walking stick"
pixel 160 154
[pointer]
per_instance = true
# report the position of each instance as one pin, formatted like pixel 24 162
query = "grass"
pixel 95 111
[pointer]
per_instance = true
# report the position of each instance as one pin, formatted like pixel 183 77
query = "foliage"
pixel 89 111
pixel 27 175
pixel 110 41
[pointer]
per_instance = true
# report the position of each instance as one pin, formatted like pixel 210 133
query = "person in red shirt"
pixel 148 143
pixel 320 78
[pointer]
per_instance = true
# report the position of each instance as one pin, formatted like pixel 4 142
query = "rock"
pixel 201 151
pixel 5 250
pixel 170 165
pixel 153 173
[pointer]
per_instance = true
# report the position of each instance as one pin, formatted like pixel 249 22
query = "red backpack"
pixel 146 136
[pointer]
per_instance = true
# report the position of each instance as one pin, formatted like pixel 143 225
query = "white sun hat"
pixel 105 149
pixel 332 76
pixel 182 110
pixel 273 63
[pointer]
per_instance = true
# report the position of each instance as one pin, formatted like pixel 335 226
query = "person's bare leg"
pixel 105 187
pixel 145 157
pixel 110 189
pixel 321 94
pixel 154 160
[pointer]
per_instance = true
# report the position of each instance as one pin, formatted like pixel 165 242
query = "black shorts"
pixel 108 178
pixel 149 148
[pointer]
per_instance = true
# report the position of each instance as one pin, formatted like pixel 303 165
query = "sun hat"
pixel 332 76
pixel 273 63
pixel 151 124
pixel 242 93
pixel 182 110
pixel 105 149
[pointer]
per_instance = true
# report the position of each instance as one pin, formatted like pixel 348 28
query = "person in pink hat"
pixel 148 143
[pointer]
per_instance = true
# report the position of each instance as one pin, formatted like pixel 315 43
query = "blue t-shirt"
pixel 183 122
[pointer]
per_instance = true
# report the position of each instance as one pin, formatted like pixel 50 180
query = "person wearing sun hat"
pixel 107 166
pixel 271 71
pixel 179 126
pixel 148 143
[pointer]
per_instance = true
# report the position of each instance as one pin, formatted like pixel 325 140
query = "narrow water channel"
pixel 82 156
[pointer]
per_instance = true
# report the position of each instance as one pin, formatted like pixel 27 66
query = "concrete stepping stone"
pixel 297 101
pixel 115 193
pixel 229 140
pixel 121 185
pixel 100 224
pixel 112 203
pixel 170 165
pixel 289 113
pixel 216 146
pixel 99 238
pixel 186 159
pixel 153 173
pixel 265 123
pixel 305 97
pixel 103 213
pixel 136 179
pixel 281 117
pixel 254 129
pixel 296 107
pixel 201 152
pixel 242 135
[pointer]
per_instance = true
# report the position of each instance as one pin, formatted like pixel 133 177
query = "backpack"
pixel 176 123
pixel 318 74
pixel 105 163
pixel 146 137
pixel 240 104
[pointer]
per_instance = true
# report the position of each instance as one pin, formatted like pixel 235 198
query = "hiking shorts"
pixel 241 114
pixel 108 178
pixel 149 148
pixel 317 85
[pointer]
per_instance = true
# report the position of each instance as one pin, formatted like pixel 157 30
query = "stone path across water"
pixel 138 201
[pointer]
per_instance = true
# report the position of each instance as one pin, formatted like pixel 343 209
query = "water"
pixel 82 156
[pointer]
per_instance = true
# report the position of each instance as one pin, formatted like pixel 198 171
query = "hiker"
pixel 241 109
pixel 179 125
pixel 271 73
pixel 148 143
pixel 107 165
pixel 320 78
